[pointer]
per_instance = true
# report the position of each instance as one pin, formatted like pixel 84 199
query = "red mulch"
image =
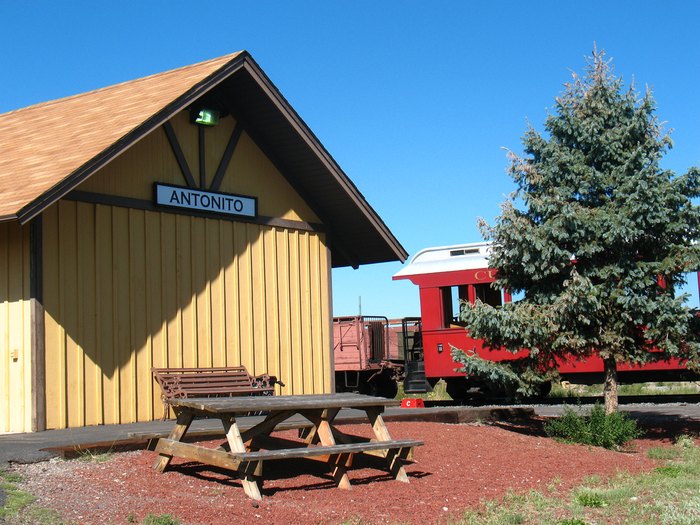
pixel 458 466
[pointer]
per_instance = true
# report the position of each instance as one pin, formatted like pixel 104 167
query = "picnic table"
pixel 245 450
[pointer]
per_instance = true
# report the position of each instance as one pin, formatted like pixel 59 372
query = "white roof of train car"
pixel 447 259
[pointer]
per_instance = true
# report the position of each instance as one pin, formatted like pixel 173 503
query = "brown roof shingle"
pixel 43 144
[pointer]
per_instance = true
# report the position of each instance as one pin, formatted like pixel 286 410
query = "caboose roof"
pixel 447 259
pixel 48 149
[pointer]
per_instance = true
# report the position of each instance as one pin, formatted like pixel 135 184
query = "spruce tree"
pixel 597 236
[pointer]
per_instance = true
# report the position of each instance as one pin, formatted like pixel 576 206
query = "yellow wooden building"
pixel 189 218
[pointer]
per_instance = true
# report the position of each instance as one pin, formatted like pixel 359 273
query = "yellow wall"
pixel 15 330
pixel 127 289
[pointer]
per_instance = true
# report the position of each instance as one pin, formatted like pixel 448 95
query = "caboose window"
pixel 488 295
pixel 453 297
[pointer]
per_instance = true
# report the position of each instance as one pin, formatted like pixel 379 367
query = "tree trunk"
pixel 610 388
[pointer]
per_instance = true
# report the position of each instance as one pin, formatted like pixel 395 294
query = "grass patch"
pixel 568 390
pixel 161 519
pixel 18 507
pixel 668 495
pixel 15 499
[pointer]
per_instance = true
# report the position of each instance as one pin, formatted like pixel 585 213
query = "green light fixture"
pixel 207 117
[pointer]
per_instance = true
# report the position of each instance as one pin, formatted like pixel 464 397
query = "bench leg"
pixel 247 469
pixel 323 432
pixel 394 458
pixel 247 472
pixel 184 419
pixel 310 436
pixel 338 465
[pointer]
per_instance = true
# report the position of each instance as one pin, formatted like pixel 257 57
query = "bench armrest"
pixel 265 381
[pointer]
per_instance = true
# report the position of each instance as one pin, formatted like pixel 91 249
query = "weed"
pixel 513 519
pixel 619 494
pixel 685 512
pixel 86 454
pixel 685 441
pixel 572 521
pixel 590 498
pixel 662 453
pixel 671 471
pixel 553 485
pixel 598 429
pixel 161 519
pixel 593 479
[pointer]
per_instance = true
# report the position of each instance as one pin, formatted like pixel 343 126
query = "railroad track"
pixel 658 399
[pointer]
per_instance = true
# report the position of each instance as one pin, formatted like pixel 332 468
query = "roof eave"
pixel 329 162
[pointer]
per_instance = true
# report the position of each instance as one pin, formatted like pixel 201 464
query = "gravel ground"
pixel 459 465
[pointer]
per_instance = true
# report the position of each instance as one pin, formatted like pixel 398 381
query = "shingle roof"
pixel 42 144
pixel 48 149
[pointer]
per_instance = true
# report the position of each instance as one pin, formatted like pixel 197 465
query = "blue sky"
pixel 415 100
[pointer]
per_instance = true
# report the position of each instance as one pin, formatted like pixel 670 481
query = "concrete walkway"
pixel 41 446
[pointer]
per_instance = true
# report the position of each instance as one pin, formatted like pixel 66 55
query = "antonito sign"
pixel 206 201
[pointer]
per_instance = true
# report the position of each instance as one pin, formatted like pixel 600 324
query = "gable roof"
pixel 48 149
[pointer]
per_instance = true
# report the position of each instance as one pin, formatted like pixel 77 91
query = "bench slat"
pixel 328 450
pixel 184 382
pixel 216 384
pixel 192 376
pixel 200 370
pixel 204 378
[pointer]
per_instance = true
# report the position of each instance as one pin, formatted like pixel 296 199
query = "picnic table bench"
pixel 222 381
pixel 245 451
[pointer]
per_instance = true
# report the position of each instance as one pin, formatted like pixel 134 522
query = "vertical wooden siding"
pixel 126 289
pixel 15 330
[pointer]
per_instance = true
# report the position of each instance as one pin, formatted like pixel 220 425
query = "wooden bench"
pixel 223 381
pixel 327 450
pixel 339 456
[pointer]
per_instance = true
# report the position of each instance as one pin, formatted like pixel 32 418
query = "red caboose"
pixel 448 275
